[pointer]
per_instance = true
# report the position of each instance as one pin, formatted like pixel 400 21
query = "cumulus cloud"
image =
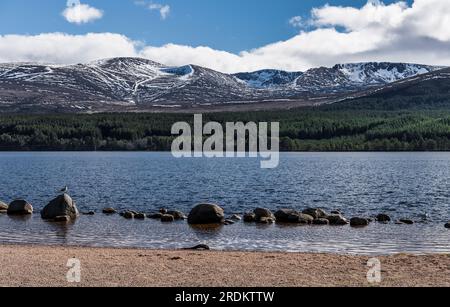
pixel 397 32
pixel 296 21
pixel 163 9
pixel 79 13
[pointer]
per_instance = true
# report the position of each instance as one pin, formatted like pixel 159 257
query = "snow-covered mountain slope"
pixel 141 82
pixel 268 78
pixel 348 77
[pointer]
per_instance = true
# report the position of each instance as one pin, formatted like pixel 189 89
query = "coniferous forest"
pixel 305 129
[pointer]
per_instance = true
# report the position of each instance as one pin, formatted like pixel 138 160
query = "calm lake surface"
pixel 403 185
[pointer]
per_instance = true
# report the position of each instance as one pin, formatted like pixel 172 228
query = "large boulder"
pixel 249 217
pixel 292 216
pixel 204 214
pixel 261 213
pixel 383 218
pixel 63 205
pixel 301 219
pixel 359 222
pixel 285 215
pixel 3 207
pixel 320 222
pixel 20 207
pixel 315 213
pixel 337 220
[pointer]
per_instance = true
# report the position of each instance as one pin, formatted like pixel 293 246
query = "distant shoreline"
pixel 152 268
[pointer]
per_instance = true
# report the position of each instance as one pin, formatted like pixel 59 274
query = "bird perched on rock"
pixel 64 190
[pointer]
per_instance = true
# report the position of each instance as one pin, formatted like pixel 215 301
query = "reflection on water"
pixel 404 185
pixel 114 231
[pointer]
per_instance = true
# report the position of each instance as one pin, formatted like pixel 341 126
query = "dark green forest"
pixel 305 129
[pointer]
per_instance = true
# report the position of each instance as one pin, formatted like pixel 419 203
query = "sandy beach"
pixel 47 266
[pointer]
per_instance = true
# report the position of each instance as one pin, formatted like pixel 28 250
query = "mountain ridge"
pixel 142 83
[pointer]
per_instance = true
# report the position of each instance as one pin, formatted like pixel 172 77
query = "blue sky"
pixel 231 25
pixel 227 35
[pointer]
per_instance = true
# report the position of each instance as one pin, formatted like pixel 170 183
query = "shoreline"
pixel 35 265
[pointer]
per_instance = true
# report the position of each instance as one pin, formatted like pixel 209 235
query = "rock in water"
pixel 320 222
pixel 383 218
pixel 140 216
pixel 337 220
pixel 63 205
pixel 128 215
pixel 407 222
pixel 20 207
pixel 293 217
pixel 359 222
pixel 315 213
pixel 155 216
pixel 261 213
pixel 249 217
pixel 285 215
pixel 177 215
pixel 447 225
pixel 203 214
pixel 109 211
pixel 167 218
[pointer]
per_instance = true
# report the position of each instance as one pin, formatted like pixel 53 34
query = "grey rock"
pixel 228 222
pixel 337 220
pixel 167 218
pixel 249 218
pixel 359 222
pixel 63 205
pixel 315 213
pixel 265 220
pixel 406 221
pixel 320 222
pixel 199 247
pixel 20 207
pixel 128 215
pixel 140 216
pixel 383 218
pixel 203 214
pixel 263 213
pixel 155 216
pixel 177 215
pixel 301 218
pixel 286 215
pixel 109 211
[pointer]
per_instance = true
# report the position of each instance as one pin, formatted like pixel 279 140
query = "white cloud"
pixel 375 32
pixel 296 21
pixel 163 9
pixel 78 13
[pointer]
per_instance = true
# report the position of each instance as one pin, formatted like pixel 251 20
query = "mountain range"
pixel 133 84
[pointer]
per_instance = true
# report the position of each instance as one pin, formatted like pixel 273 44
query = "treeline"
pixel 313 129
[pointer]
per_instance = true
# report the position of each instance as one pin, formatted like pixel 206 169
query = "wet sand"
pixel 47 266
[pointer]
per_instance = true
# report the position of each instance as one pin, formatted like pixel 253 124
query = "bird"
pixel 64 190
